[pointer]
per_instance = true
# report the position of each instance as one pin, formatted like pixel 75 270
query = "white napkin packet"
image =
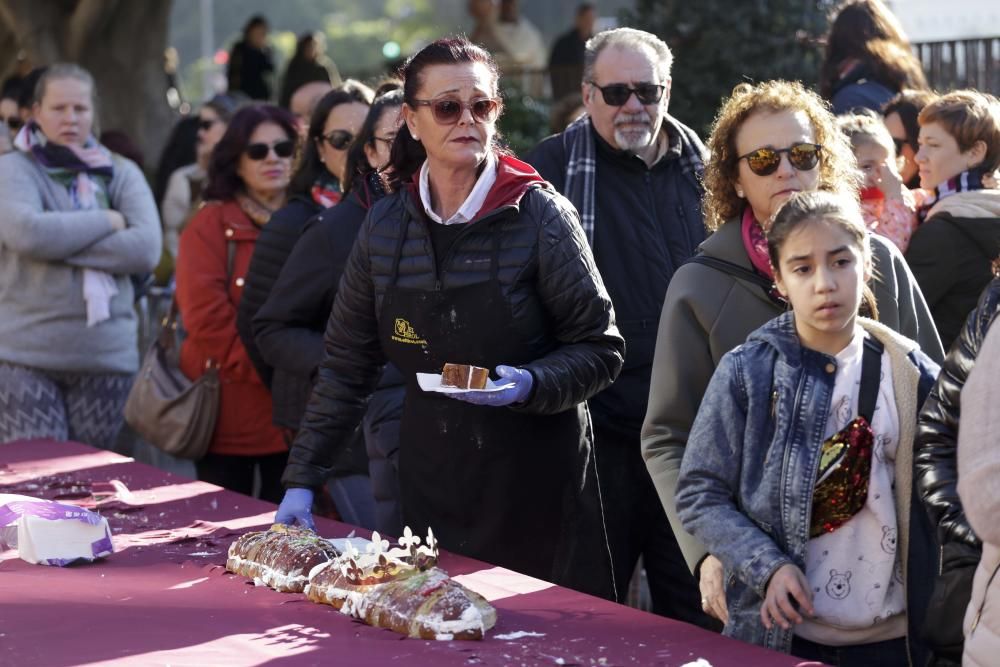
pixel 50 533
pixel 432 382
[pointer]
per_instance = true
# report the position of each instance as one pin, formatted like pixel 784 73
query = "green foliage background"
pixel 720 43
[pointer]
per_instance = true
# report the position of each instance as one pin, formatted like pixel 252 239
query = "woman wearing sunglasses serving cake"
pixel 473 259
pixel 248 178
pixel 769 141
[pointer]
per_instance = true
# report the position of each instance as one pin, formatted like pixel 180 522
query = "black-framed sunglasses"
pixel 14 123
pixel 765 161
pixel 448 110
pixel 617 94
pixel 282 149
pixel 206 124
pixel 338 139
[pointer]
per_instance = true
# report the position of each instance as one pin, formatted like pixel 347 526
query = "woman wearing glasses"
pixel 289 326
pixel 247 179
pixel 184 188
pixel 315 186
pixel 474 259
pixel 769 141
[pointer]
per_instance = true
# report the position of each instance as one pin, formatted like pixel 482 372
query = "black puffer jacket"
pixel 951 254
pixel 273 246
pixel 937 431
pixel 288 327
pixel 547 276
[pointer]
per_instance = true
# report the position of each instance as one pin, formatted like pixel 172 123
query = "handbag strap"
pixel 871 377
pixel 740 272
pixel 168 327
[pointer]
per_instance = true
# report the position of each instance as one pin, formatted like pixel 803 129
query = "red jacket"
pixel 208 311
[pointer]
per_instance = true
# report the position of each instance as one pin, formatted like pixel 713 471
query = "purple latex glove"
pixel 520 391
pixel 296 509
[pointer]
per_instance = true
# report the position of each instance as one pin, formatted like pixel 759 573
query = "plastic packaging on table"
pixel 50 533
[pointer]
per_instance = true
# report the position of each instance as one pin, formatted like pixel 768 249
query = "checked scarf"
pixel 85 171
pixel 967 181
pixel 581 165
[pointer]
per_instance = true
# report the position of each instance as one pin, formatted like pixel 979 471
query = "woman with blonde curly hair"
pixel 769 141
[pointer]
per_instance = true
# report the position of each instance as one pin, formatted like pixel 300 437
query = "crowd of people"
pixel 741 361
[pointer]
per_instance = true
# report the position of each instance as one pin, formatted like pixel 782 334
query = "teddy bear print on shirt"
pixel 839 586
pixel 888 539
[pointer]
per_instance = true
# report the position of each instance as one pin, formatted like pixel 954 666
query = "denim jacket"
pixel 747 478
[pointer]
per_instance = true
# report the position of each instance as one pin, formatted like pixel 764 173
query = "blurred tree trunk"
pixel 120 42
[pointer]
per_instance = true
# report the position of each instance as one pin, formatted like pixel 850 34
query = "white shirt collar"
pixel 473 202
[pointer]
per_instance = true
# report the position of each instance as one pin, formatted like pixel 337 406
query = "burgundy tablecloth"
pixel 164 597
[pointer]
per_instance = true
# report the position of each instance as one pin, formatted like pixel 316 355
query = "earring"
pixel 739 192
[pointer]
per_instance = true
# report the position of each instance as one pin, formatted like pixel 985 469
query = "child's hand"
pixel 890 181
pixel 713 589
pixel 787 586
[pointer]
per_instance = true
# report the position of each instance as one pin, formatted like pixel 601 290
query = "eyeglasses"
pixel 617 94
pixel 386 140
pixel 206 123
pixel 282 149
pixel 14 123
pixel 900 144
pixel 765 161
pixel 447 111
pixel 338 139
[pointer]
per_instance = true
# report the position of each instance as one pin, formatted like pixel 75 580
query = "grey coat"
pixel 708 313
pixel 44 247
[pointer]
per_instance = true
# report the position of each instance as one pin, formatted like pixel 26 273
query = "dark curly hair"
pixel 223 181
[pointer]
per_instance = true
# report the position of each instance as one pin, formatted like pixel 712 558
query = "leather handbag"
pixel 171 412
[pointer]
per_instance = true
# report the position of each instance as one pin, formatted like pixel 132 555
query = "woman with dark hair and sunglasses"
pixel 315 185
pixel 185 184
pixel 768 141
pixel 474 259
pixel 289 326
pixel 248 178
pixel 900 117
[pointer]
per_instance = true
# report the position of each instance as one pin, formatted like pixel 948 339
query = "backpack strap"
pixel 871 377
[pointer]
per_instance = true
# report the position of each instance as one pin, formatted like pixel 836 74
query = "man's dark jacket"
pixel 648 222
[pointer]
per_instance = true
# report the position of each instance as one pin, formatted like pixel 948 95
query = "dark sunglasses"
pixel 14 123
pixel 617 94
pixel 765 161
pixel 447 111
pixel 282 149
pixel 338 139
pixel 206 124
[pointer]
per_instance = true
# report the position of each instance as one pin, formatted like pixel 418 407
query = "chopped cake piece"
pixel 464 377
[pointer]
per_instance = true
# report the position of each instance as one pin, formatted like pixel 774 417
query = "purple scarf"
pixel 91 158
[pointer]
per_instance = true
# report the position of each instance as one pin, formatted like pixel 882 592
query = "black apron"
pixel 513 489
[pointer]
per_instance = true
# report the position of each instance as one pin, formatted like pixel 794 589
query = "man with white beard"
pixel 633 172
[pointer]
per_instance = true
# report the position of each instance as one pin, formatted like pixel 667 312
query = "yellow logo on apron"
pixel 404 333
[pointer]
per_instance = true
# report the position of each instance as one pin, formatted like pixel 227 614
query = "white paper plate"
pixel 432 382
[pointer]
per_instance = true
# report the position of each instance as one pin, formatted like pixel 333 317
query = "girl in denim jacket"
pixel 798 472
